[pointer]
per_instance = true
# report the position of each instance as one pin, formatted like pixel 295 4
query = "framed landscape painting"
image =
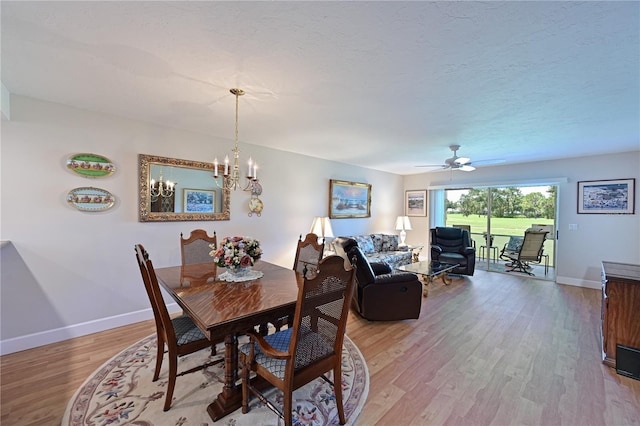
pixel 415 203
pixel 198 200
pixel 606 196
pixel 349 199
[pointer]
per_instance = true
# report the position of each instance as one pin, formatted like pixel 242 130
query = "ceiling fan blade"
pixel 462 160
pixel 488 162
pixel 440 166
pixel 466 168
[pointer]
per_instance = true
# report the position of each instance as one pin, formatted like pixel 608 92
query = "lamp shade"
pixel 403 223
pixel 321 226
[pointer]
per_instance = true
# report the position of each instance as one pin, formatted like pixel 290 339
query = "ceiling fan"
pixel 459 163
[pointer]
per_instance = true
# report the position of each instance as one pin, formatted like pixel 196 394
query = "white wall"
pixel 68 273
pixel 598 237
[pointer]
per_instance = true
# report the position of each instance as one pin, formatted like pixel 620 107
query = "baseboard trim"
pixel 597 285
pixel 30 341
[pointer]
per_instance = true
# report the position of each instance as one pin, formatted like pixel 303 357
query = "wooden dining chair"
pixel 309 349
pixel 308 254
pixel 196 248
pixel 180 335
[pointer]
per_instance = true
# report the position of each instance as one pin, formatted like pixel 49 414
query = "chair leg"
pixel 519 266
pixel 159 357
pixel 337 389
pixel 245 387
pixel 287 409
pixel 173 372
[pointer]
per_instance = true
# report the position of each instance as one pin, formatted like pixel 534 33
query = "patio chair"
pixel 530 251
pixel 511 248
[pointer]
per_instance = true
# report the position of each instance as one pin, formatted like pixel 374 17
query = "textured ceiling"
pixel 384 85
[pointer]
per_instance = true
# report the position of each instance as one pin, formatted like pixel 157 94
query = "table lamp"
pixel 403 224
pixel 321 226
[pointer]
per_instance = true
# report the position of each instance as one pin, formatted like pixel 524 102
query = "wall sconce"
pixel 403 224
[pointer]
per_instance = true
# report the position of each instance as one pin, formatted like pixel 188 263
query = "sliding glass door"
pixel 498 215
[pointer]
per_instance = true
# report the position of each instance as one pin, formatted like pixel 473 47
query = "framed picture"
pixel 415 203
pixel 198 200
pixel 606 196
pixel 349 199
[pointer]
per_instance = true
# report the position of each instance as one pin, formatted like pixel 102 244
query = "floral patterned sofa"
pixel 378 248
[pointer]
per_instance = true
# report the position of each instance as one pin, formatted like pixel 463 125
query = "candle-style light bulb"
pixel 250 171
pixel 226 165
pixel 215 167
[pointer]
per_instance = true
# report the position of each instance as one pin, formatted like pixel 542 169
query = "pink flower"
pixel 236 252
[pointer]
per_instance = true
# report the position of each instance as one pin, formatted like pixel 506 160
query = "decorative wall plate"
pixel 90 165
pixel 89 199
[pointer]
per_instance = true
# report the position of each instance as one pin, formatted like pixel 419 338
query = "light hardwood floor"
pixel 493 349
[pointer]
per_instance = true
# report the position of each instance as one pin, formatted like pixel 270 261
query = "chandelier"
pixel 161 188
pixel 231 173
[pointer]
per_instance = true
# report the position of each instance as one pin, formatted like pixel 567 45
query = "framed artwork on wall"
pixel 614 196
pixel 349 199
pixel 198 200
pixel 90 165
pixel 415 203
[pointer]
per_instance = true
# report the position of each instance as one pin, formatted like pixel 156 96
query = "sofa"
pixel 377 248
pixel 383 294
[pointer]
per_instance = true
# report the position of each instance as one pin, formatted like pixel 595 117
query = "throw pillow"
pixel 389 242
pixel 365 243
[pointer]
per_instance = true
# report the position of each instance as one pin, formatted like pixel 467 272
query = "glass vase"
pixel 239 271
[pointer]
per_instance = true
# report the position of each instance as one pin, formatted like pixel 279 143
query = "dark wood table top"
pixel 227 307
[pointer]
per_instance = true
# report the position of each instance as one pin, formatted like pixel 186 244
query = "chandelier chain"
pixel 231 178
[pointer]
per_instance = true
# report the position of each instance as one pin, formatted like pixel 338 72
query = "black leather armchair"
pixel 452 245
pixel 382 295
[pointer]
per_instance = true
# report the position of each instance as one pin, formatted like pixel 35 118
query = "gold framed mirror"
pixel 172 189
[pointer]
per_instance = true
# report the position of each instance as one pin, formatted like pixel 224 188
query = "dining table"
pixel 228 309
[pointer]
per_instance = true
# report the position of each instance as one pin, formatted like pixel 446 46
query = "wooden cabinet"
pixel 620 308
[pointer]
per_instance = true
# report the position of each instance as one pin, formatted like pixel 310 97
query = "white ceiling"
pixel 384 85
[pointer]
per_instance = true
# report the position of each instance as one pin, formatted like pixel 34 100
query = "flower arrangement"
pixel 235 252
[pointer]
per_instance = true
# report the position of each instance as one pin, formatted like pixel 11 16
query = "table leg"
pixel 426 280
pixel 230 399
pixel 425 287
pixel 445 276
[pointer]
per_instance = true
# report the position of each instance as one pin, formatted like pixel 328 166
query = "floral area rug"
pixel 121 393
